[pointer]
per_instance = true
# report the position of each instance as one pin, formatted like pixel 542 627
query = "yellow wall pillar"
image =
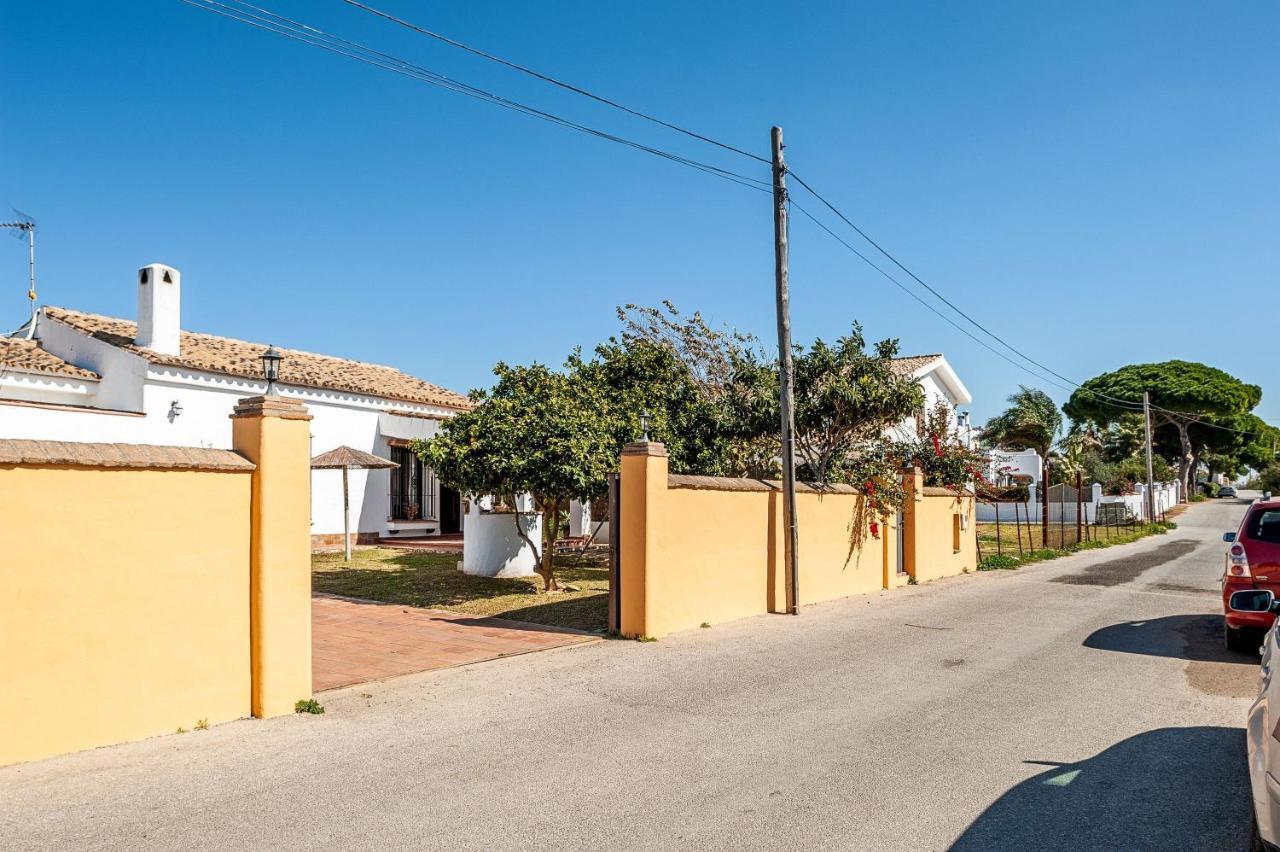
pixel 643 483
pixel 913 486
pixel 274 434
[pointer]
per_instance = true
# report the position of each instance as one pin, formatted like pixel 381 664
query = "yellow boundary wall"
pixel 144 589
pixel 697 550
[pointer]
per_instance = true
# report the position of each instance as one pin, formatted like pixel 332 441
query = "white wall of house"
pixel 1020 462
pixel 207 399
pixel 934 392
pixel 580 523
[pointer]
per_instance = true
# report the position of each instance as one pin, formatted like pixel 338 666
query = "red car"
pixel 1252 562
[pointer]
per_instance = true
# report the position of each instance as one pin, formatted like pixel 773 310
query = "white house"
pixel 941 384
pixel 1008 464
pixel 83 377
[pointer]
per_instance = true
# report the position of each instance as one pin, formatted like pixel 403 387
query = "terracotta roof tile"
pixel 225 355
pixel 26 356
pixel 908 364
pixel 134 456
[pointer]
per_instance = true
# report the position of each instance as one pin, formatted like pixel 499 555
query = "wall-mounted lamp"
pixel 271 368
pixel 645 420
pixel 175 409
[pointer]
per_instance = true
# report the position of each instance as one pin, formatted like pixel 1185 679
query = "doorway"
pixel 450 511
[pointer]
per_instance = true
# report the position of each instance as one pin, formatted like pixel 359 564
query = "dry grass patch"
pixel 433 580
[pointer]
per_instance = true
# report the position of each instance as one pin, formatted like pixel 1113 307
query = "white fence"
pixel 1135 505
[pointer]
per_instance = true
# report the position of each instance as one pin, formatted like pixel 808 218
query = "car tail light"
pixel 1239 566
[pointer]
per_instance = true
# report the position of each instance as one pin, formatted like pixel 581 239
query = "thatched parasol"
pixel 345 459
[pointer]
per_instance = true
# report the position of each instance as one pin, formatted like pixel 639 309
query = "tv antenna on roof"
pixel 25 225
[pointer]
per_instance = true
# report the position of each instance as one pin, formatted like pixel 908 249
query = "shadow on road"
pixel 1171 788
pixel 1185 637
pixel 1127 568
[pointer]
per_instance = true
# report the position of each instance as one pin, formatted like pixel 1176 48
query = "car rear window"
pixel 1264 525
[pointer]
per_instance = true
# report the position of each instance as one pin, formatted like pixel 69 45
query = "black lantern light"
pixel 271 368
pixel 645 420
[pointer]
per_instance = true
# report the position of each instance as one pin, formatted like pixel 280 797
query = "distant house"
pixel 86 377
pixel 941 384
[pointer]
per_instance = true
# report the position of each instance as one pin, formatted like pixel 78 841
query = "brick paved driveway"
pixel 356 642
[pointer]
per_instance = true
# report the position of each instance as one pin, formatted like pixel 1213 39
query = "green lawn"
pixel 433 580
pixel 1060 535
pixel 1060 543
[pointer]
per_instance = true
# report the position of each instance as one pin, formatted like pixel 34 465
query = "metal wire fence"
pixel 1065 517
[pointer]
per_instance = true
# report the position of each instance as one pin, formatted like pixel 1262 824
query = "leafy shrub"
pixel 308 705
pixel 998 562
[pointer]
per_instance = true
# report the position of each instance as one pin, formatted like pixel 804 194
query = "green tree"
pixel 845 399
pixel 1269 479
pixel 538 431
pixel 1261 443
pixel 941 454
pixel 639 376
pixel 1031 422
pixel 731 434
pixel 1183 393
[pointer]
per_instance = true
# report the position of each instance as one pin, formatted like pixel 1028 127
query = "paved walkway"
pixel 355 642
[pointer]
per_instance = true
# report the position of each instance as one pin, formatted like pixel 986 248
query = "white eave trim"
pixel 948 377
pixel 164 374
pixel 18 377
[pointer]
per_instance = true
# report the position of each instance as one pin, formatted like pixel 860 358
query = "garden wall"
pixel 697 549
pixel 946 539
pixel 147 588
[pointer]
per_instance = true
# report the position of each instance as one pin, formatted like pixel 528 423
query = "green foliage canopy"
pixel 1183 393
pixel 537 431
pixel 1032 421
pixel 845 396
pixel 1195 389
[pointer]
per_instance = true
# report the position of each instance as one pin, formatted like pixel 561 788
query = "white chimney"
pixel 159 300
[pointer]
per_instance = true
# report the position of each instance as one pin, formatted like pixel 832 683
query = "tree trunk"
pixel 1186 473
pixel 520 530
pixel 550 532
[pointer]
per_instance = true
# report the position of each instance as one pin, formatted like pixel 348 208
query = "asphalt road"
pixel 1080 704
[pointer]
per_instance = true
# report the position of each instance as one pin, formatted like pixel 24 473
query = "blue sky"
pixel 1095 181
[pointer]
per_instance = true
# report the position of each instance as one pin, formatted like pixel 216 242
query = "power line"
pixel 552 80
pixel 1105 399
pixel 315 37
pixel 584 92
pixel 297 31
pixel 648 117
pixel 306 34
pixel 904 288
pixel 924 284
pixel 1116 402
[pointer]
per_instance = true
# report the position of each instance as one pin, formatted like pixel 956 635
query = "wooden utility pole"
pixel 791 541
pixel 1079 507
pixel 1151 491
pixel 1044 505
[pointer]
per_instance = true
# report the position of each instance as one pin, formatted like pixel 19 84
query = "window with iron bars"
pixel 413 488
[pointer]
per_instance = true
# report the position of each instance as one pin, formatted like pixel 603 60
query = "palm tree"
pixel 1031 422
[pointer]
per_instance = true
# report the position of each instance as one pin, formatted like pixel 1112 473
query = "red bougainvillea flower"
pixel 871 487
pixel 875 530
pixel 937 446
